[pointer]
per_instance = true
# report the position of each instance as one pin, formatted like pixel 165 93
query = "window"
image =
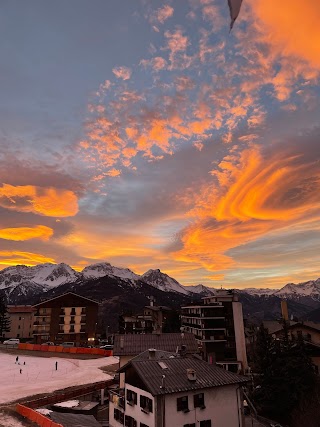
pixel 18 335
pixel 198 400
pixel 182 404
pixel 130 422
pixel 20 318
pixel 146 404
pixel 132 397
pixel 143 425
pixel 205 423
pixel 118 415
pixel 19 327
pixel 190 425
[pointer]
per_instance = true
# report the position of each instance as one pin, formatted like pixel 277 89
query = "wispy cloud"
pixel 123 73
pixel 162 14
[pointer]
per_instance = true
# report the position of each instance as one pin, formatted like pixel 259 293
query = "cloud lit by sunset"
pixel 151 137
pixel 26 233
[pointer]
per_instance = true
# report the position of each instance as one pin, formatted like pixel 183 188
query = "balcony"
pixel 39 332
pixel 209 315
pixel 38 323
pixel 117 398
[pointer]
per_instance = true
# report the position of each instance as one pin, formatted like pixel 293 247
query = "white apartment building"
pixel 163 389
pixel 217 324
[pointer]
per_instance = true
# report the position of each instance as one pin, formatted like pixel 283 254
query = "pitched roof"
pixel 133 344
pixel 274 326
pixel 64 295
pixel 174 368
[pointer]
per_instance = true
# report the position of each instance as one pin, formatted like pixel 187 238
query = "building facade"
pixel 218 327
pixel 150 321
pixel 164 389
pixel 21 322
pixel 68 317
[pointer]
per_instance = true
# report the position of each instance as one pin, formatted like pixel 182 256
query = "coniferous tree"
pixel 4 318
pixel 286 375
pixel 263 350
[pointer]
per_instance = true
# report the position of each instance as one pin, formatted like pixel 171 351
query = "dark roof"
pixel 74 420
pixel 134 344
pixel 274 326
pixel 174 368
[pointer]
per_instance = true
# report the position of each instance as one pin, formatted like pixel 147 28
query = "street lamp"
pixel 22 328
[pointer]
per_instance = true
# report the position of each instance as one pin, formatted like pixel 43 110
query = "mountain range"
pixel 122 289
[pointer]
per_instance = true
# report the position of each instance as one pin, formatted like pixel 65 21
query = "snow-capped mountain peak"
pixel 163 282
pixel 105 269
pixel 200 289
pixel 310 288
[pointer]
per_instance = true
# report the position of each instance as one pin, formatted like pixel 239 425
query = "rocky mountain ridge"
pixel 22 283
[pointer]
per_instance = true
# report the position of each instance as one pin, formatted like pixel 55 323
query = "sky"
pixel 144 134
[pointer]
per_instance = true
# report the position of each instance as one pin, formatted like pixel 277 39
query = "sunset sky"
pixel 144 134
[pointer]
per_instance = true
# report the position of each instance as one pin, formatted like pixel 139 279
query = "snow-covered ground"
pixel 38 375
pixel 8 421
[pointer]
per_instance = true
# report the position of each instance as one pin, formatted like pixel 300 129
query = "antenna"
pixel 163 382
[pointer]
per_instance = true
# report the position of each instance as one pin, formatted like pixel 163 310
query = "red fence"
pixel 60 349
pixel 35 417
pixel 28 409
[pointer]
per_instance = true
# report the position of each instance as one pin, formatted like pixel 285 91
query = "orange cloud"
pixel 292 27
pixel 254 195
pixel 163 13
pixel 38 200
pixel 9 258
pixel 157 63
pixel 123 73
pixel 40 232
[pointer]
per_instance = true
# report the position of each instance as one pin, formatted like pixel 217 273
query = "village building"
pixel 167 389
pixel 128 346
pixel 218 326
pixel 66 318
pixel 21 321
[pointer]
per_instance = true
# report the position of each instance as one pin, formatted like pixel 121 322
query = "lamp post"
pixel 22 328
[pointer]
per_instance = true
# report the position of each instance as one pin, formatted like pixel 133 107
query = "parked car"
pixel 68 344
pixel 11 341
pixel 48 343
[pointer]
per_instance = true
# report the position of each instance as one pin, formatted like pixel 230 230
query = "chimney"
pixel 152 353
pixel 284 310
pixel 121 342
pixel 191 374
pixel 183 350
